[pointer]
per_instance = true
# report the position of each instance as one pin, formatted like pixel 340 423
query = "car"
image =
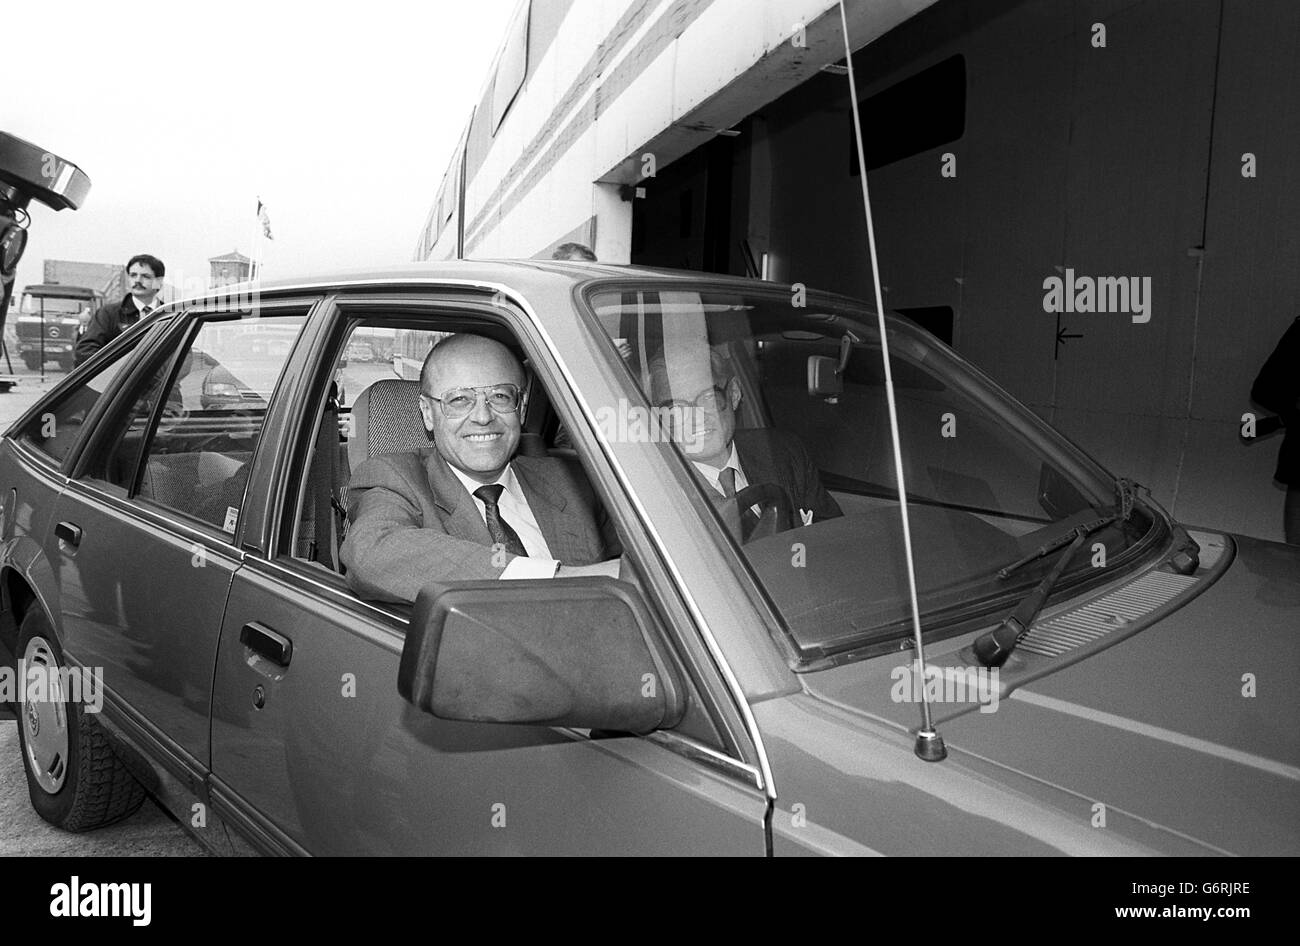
pixel 1098 679
pixel 53 317
pixel 360 351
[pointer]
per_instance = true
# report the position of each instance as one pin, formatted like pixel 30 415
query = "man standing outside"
pixel 1278 388
pixel 574 251
pixel 144 278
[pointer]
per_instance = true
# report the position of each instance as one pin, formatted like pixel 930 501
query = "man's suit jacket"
pixel 775 456
pixel 413 522
pixel 1278 388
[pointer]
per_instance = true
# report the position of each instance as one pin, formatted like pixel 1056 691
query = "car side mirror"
pixel 578 652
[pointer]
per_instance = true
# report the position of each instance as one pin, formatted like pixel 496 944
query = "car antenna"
pixel 929 744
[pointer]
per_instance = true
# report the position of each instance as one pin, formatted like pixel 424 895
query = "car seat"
pixel 386 419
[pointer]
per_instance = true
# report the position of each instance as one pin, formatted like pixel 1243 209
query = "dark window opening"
pixel 919 113
pixel 935 319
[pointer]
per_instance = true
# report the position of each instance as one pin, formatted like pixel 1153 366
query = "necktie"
pixel 727 480
pixel 498 528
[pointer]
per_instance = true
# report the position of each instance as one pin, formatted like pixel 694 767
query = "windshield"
pixel 749 390
pixel 53 305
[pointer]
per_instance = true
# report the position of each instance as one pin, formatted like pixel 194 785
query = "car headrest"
pixel 386 419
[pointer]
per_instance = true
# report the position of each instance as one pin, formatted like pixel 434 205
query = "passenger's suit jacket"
pixel 412 522
pixel 768 455
pixel 1278 388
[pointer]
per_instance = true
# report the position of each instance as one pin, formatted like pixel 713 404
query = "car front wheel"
pixel 75 780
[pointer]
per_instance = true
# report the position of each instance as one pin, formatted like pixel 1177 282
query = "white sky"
pixel 341 116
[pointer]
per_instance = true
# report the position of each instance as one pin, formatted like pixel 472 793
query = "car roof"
pixel 525 275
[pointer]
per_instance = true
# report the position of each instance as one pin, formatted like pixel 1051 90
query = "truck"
pixel 51 319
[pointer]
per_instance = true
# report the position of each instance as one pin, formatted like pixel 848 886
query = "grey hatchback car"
pixel 178 618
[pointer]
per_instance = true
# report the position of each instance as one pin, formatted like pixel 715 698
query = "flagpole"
pixel 254 263
pixel 252 242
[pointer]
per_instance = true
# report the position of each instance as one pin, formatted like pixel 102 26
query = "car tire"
pixel 31 360
pixel 75 780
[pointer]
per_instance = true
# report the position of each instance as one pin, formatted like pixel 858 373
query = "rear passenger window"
pixel 54 431
pixel 188 439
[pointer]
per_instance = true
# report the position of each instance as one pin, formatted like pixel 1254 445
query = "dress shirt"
pixel 711 473
pixel 513 508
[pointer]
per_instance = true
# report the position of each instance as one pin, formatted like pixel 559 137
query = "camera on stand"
pixel 29 173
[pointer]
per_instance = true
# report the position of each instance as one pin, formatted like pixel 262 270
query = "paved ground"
pixel 27 391
pixel 150 831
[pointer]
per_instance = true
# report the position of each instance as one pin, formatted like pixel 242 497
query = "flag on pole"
pixel 265 220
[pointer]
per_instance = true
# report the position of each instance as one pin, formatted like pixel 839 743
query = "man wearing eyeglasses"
pixel 144 277
pixel 468 507
pixel 699 396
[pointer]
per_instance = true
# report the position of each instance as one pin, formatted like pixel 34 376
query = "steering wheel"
pixel 769 495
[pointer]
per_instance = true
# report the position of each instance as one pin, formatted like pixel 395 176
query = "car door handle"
pixel 68 532
pixel 262 640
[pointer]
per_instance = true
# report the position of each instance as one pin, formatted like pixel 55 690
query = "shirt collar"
pixel 506 479
pixel 711 472
pixel 135 303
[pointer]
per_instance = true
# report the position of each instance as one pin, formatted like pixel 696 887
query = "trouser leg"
pixel 1291 515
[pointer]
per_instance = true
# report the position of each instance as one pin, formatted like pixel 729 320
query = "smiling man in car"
pixel 702 395
pixel 468 507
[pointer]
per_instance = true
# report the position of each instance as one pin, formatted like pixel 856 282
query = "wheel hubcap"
pixel 45 717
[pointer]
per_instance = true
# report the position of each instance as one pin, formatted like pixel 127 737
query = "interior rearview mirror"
pixel 577 652
pixel 824 377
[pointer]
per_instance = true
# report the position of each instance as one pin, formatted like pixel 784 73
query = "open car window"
pixel 753 382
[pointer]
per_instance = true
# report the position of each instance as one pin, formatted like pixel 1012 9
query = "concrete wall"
pixel 1115 161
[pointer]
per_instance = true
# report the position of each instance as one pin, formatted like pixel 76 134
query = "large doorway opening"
pixel 687 219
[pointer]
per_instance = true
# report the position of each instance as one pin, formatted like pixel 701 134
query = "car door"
pixel 143 543
pixel 314 751
pixel 41 447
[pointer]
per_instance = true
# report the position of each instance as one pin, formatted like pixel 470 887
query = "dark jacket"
pixel 105 325
pixel 1278 389
pixel 777 456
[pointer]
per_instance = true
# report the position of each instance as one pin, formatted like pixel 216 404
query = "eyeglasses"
pixel 707 400
pixel 460 402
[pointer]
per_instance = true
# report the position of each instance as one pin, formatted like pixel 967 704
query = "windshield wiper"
pixel 993 648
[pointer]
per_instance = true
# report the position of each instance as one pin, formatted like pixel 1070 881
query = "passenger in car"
pixel 467 507
pixel 701 396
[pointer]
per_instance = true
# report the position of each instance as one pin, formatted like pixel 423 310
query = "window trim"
pixel 167 356
pixel 137 341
